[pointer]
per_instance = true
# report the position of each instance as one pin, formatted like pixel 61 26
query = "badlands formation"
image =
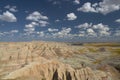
pixel 59 61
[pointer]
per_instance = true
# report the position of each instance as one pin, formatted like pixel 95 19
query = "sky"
pixel 60 20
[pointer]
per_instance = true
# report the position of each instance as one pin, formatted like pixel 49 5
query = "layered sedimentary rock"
pixel 43 61
pixel 34 49
pixel 54 70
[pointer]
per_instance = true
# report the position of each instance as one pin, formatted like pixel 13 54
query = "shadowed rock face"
pixel 54 70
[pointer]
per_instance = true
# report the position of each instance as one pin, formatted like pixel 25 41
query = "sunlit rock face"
pixel 53 61
pixel 54 70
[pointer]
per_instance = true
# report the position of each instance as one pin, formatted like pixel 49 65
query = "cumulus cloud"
pixel 118 20
pixel 71 16
pixel 103 30
pixel 100 26
pixel 117 33
pixel 10 33
pixel 11 8
pixel 41 33
pixel 90 32
pixel 87 7
pixel 14 31
pixel 65 32
pixel 36 16
pixel 1 34
pixel 57 20
pixel 8 17
pixel 52 30
pixel 76 1
pixel 104 7
pixel 38 19
pixel 31 25
pixel 43 23
pixel 56 2
pixel 87 29
pixel 30 28
pixel 84 26
pixel 81 33
pixel 108 6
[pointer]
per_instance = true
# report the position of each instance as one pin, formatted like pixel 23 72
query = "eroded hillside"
pixel 58 61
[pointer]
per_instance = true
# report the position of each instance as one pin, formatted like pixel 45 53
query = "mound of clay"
pixel 54 70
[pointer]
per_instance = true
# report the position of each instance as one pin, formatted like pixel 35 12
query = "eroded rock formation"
pixel 54 70
pixel 40 61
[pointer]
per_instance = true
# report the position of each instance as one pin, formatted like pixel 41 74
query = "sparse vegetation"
pixel 94 50
pixel 98 61
pixel 115 51
pixel 103 44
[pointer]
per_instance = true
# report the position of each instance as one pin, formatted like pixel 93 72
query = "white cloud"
pixel 95 5
pixel 1 34
pixel 104 7
pixel 10 33
pixel 34 23
pixel 41 33
pixel 99 30
pixel 76 1
pixel 81 33
pixel 87 7
pixel 84 26
pixel 100 26
pixel 103 30
pixel 90 32
pixel 108 6
pixel 29 31
pixel 36 16
pixel 11 8
pixel 52 30
pixel 38 19
pixel 8 17
pixel 71 16
pixel 30 28
pixel 14 31
pixel 118 20
pixel 117 33
pixel 56 2
pixel 65 32
pixel 57 20
pixel 31 25
pixel 43 23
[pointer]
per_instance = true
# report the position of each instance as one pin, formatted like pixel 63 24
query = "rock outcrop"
pixel 55 70
pixel 43 61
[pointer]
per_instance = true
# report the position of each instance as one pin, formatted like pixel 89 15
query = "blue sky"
pixel 60 20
